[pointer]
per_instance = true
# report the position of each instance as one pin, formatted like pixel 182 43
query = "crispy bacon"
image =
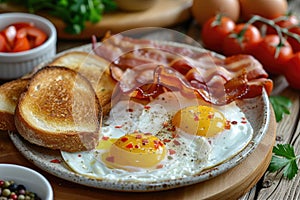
pixel 145 68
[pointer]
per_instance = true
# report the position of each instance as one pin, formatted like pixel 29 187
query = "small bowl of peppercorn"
pixel 22 183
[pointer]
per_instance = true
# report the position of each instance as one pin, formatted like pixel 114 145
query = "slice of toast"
pixel 59 110
pixel 95 69
pixel 9 95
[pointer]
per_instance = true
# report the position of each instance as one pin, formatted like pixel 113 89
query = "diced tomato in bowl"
pixel 26 40
pixel 22 36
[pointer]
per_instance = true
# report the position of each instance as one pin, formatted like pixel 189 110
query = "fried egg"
pixel 171 137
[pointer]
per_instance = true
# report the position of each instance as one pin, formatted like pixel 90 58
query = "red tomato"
pixel 20 25
pixel 10 34
pixel 293 42
pixel 21 44
pixel 292 72
pixel 20 37
pixel 286 22
pixel 265 52
pixel 235 43
pixel 215 30
pixel 35 35
pixel 2 43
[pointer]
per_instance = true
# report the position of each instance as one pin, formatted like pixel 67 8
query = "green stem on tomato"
pixel 218 20
pixel 280 31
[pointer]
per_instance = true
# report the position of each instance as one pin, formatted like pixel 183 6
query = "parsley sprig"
pixel 75 13
pixel 284 158
pixel 280 106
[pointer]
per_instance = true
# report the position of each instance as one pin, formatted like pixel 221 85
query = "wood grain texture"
pixel 164 13
pixel 273 185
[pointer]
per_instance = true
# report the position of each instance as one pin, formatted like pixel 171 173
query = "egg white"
pixel 193 153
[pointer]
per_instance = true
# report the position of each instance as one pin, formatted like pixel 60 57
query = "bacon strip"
pixel 145 68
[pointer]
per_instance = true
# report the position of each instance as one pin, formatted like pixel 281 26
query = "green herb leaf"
pixel 75 13
pixel 284 159
pixel 281 106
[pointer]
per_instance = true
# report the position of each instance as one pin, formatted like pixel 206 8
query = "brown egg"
pixel 202 10
pixel 266 8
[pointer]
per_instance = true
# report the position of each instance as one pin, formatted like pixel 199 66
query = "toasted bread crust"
pixel 95 69
pixel 59 110
pixel 9 95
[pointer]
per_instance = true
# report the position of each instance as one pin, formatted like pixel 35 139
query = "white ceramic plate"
pixel 257 111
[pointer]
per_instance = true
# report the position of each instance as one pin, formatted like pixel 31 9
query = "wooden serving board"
pixel 164 13
pixel 230 185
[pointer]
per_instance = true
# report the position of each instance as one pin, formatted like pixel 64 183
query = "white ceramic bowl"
pixel 14 65
pixel 32 180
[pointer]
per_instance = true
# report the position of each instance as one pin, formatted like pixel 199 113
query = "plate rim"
pixel 24 148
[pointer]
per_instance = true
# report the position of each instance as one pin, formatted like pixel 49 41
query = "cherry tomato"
pixel 235 43
pixel 265 52
pixel 21 44
pixel 2 43
pixel 215 30
pixel 292 72
pixel 293 42
pixel 286 22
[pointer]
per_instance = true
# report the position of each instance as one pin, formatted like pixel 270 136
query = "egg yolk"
pixel 199 120
pixel 136 150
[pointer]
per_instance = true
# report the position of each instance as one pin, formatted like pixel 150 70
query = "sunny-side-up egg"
pixel 171 137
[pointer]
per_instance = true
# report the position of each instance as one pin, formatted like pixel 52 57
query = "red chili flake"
pixel 130 110
pixel 243 118
pixel 166 140
pixel 196 118
pixel 234 122
pixel 159 166
pixel 174 135
pixel 176 142
pixel 173 128
pixel 119 126
pixel 161 144
pixel 171 151
pixel 105 138
pixel 145 141
pixel 147 107
pixel 79 155
pixel 110 159
pixel 124 139
pixel 55 161
pixel 137 146
pixel 211 116
pixel 244 122
pixel 227 125
pixel 129 146
pixel 155 141
pixel 165 124
pixel 138 136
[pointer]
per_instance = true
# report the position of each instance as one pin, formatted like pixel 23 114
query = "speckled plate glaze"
pixel 257 111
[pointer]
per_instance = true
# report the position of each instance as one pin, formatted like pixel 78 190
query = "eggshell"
pixel 202 10
pixel 265 8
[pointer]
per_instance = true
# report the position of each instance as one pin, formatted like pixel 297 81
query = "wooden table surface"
pixel 270 186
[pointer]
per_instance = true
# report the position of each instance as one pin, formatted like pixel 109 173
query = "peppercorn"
pixel 9 190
